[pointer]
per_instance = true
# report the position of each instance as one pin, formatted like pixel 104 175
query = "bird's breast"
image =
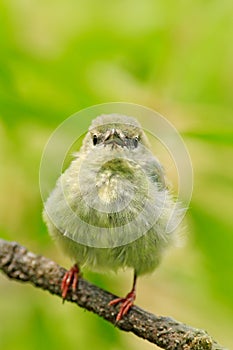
pixel 108 186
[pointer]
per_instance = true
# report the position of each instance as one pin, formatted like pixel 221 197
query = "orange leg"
pixel 127 302
pixel 70 279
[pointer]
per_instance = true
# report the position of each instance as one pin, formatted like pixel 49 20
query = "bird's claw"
pixel 127 303
pixel 70 279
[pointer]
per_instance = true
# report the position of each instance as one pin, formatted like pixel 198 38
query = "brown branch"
pixel 20 264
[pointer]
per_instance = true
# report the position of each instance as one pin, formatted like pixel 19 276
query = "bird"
pixel 111 208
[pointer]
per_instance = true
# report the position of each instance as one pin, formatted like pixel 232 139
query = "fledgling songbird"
pixel 111 208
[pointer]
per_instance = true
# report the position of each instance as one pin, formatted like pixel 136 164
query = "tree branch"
pixel 20 264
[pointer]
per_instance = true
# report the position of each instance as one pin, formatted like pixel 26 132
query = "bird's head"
pixel 115 131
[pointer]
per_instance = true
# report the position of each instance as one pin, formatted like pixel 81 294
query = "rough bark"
pixel 20 264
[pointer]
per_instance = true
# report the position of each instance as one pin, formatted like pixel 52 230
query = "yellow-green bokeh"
pixel 57 57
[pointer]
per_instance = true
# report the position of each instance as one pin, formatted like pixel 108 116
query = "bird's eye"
pixel 135 141
pixel 95 139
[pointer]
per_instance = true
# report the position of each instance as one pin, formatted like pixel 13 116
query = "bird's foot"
pixel 70 279
pixel 127 303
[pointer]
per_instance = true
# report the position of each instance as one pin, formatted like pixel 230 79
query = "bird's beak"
pixel 114 137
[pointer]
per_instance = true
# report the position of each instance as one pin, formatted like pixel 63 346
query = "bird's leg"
pixel 127 302
pixel 70 279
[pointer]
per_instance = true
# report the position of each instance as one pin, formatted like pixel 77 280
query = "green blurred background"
pixel 57 57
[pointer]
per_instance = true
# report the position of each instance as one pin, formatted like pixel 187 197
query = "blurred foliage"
pixel 58 57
